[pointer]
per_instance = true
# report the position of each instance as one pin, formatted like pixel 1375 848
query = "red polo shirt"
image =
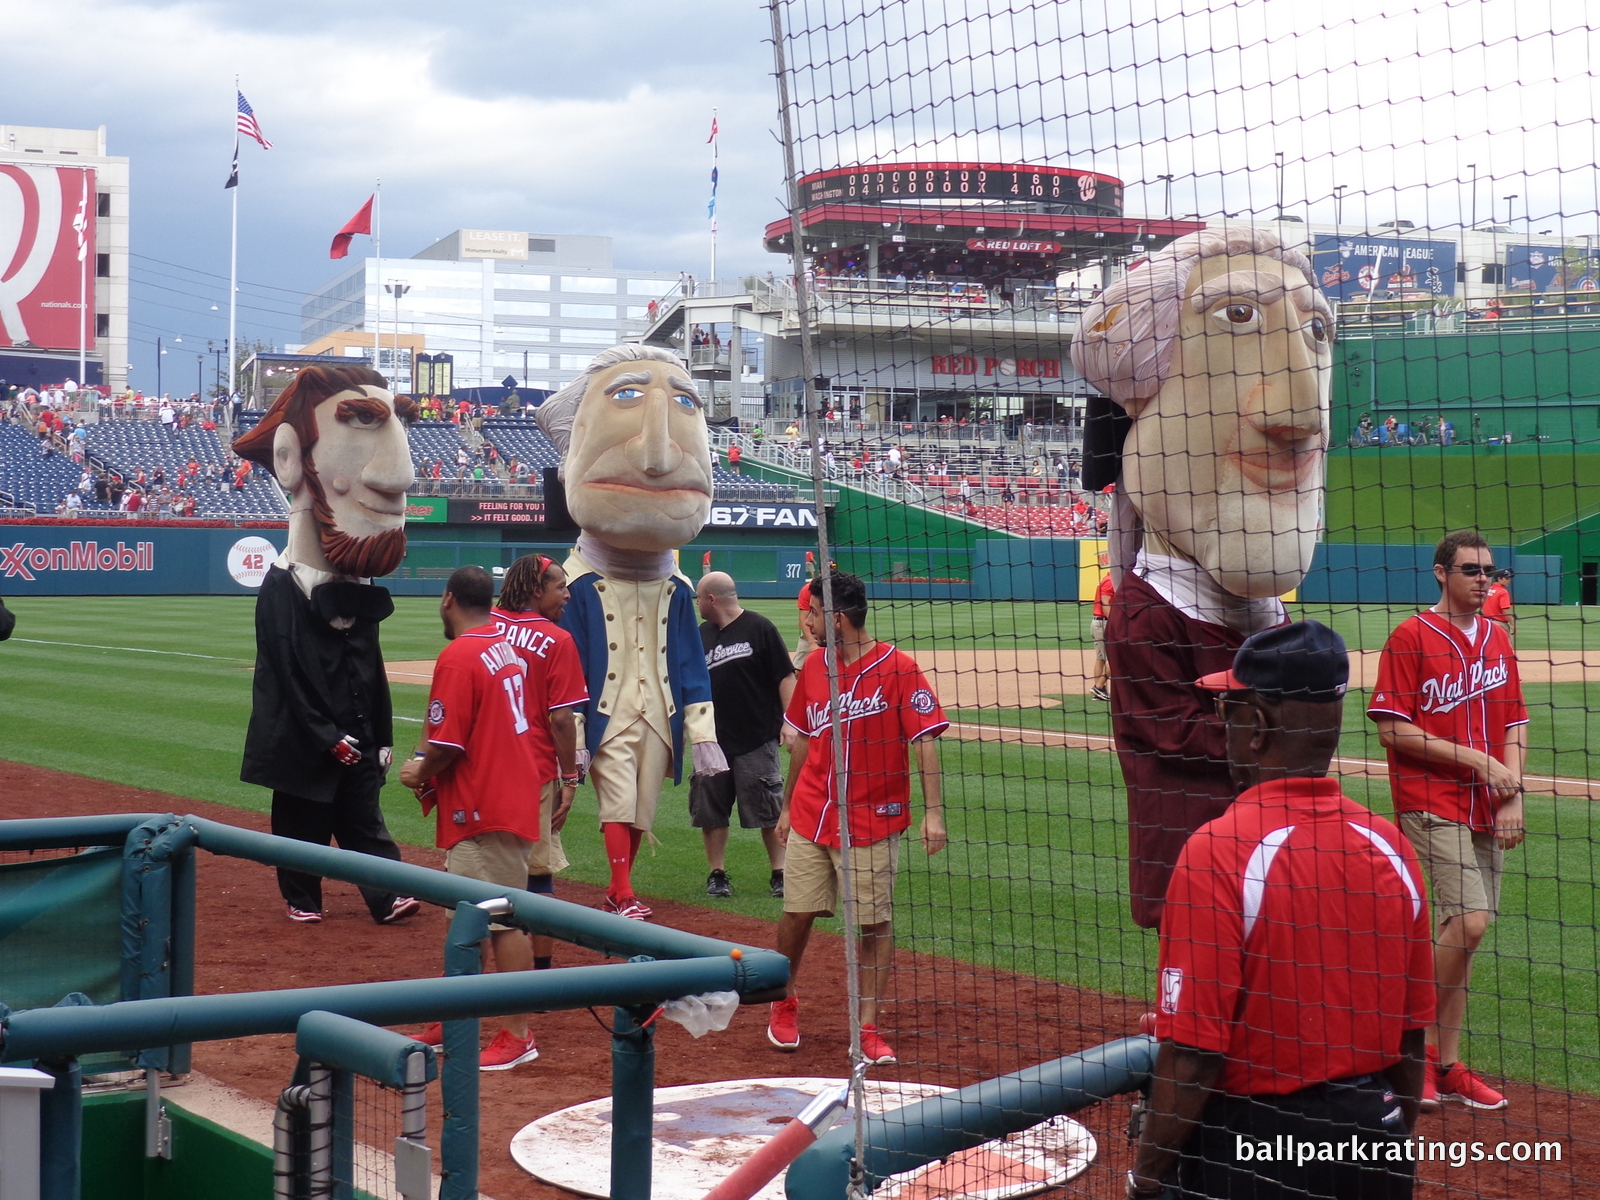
pixel 1295 940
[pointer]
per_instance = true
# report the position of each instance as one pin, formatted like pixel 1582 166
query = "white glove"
pixel 345 751
pixel 708 758
pixel 385 758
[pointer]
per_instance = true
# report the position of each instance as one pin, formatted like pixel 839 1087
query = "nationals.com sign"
pixel 47 256
pixel 23 561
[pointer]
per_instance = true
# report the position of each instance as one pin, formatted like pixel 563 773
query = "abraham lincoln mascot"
pixel 321 733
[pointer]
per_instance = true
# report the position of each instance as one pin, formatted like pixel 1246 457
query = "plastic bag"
pixel 704 1013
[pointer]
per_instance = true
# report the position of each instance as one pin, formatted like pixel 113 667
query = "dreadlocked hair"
pixel 522 582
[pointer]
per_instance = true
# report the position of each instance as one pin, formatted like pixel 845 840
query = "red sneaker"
pixel 433 1035
pixel 628 906
pixel 304 915
pixel 507 1051
pixel 1462 1086
pixel 1430 1082
pixel 874 1049
pixel 783 1026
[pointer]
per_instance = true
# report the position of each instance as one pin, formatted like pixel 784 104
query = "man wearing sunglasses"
pixel 1449 710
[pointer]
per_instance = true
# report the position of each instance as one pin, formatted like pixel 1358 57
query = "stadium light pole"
pixel 159 353
pixel 1338 205
pixel 1167 179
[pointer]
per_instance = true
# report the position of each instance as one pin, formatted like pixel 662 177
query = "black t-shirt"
pixel 748 659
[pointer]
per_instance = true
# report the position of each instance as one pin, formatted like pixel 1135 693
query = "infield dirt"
pixel 951 1023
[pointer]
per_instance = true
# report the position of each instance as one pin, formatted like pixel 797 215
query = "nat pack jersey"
pixel 477 704
pixel 885 704
pixel 555 677
pixel 1464 689
pixel 1295 940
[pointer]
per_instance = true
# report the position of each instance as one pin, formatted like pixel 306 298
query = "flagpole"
pixel 233 257
pixel 377 252
pixel 713 201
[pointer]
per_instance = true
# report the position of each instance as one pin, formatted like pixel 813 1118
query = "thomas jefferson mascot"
pixel 320 729
pixel 636 462
pixel 1219 349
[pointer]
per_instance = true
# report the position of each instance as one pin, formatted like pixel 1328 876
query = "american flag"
pixel 248 125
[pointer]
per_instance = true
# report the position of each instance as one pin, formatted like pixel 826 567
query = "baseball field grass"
pixel 155 693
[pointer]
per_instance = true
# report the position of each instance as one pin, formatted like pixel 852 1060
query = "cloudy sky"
pixel 591 117
pixel 551 117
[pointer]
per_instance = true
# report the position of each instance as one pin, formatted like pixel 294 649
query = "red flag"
pixel 713 136
pixel 360 223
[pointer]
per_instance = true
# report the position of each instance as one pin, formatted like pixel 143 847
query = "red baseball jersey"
pixel 1103 593
pixel 885 704
pixel 1497 604
pixel 1295 940
pixel 477 705
pixel 1465 689
pixel 555 677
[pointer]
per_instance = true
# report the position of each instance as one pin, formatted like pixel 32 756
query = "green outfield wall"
pixel 1542 384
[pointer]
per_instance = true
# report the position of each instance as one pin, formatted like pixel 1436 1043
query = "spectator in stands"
pixel 133 501
pixel 169 418
pixel 735 456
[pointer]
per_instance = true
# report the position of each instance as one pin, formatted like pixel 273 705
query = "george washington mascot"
pixel 636 462
pixel 320 731
pixel 1219 350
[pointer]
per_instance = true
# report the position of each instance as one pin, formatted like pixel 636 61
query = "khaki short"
pixel 1097 627
pixel 499 858
pixel 811 878
pixel 627 771
pixel 1464 866
pixel 546 857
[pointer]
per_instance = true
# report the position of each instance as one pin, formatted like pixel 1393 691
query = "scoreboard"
pixel 1060 189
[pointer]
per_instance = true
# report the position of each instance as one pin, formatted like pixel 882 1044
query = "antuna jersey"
pixel 885 704
pixel 1465 689
pixel 478 705
pixel 555 677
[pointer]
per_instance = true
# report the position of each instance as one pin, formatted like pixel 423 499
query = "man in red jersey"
pixel 1103 594
pixel 885 706
pixel 1497 604
pixel 532 595
pixel 479 757
pixel 1296 969
pixel 1448 706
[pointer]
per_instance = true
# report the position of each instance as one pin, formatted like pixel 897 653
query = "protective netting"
pixel 1242 307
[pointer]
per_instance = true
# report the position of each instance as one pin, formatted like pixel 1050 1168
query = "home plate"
pixel 704 1131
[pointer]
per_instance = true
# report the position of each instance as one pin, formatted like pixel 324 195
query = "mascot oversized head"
pixel 1220 348
pixel 636 460
pixel 335 439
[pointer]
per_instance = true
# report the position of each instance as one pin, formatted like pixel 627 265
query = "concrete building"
pixel 42 326
pixel 501 302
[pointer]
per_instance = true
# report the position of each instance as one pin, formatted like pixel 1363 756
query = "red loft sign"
pixel 1011 246
pixel 1020 368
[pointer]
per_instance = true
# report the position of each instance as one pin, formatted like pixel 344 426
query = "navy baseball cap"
pixel 1303 661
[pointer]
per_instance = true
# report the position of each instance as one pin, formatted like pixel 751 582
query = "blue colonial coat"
pixel 689 683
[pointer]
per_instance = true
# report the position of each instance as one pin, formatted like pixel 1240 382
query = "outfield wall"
pixel 38 560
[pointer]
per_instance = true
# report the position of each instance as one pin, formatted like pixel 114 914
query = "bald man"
pixel 752 679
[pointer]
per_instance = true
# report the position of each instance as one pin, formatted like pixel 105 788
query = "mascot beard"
pixel 364 557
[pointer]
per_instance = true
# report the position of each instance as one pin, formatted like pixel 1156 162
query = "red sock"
pixel 635 836
pixel 619 851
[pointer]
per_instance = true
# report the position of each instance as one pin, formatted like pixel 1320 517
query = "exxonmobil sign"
pixel 21 560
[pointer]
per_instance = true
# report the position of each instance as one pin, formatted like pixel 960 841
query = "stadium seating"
pixel 127 447
pixel 521 439
pixel 1031 520
pixel 33 480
